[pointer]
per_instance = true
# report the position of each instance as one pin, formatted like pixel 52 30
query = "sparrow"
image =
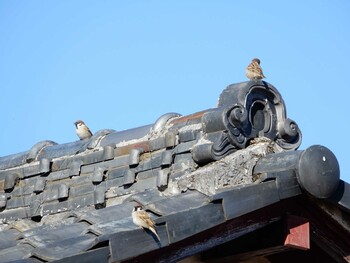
pixel 82 130
pixel 141 218
pixel 254 71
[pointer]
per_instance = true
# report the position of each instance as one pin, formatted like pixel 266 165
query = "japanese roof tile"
pixel 135 243
pixel 43 235
pixel 65 248
pixel 91 256
pixel 112 226
pixel 107 214
pixel 8 238
pixel 178 203
pixel 122 136
pixel 23 225
pixel 15 253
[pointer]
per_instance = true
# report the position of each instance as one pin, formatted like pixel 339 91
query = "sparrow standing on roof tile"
pixel 82 130
pixel 254 71
pixel 142 219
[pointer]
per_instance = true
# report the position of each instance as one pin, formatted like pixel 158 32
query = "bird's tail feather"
pixel 154 232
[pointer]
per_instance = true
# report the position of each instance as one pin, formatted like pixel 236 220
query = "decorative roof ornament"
pixel 246 111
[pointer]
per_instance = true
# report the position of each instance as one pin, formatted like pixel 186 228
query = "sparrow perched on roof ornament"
pixel 142 219
pixel 82 130
pixel 254 71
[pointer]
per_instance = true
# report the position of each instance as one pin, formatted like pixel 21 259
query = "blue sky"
pixel 122 64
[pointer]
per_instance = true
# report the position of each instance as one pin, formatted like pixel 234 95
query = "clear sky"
pixel 122 64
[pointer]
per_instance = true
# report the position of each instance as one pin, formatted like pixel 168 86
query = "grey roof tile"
pixel 97 137
pixel 31 170
pixel 39 185
pixel 100 195
pixel 19 201
pixel 66 149
pixel 288 185
pixel 55 192
pixel 75 215
pixel 13 160
pixel 119 181
pixel 74 167
pixel 10 180
pixel 3 200
pixel 188 134
pixel 163 120
pixel 241 200
pixel 36 149
pixel 122 136
pixel 51 208
pixel 134 157
pixel 150 162
pixel 167 158
pixel 146 197
pixel 60 218
pixel 104 215
pixel 117 173
pixel 16 213
pixel 162 178
pixel 107 165
pixel 91 256
pixel 112 226
pixel 171 139
pixel 115 200
pixel 8 238
pixel 98 174
pixel 46 234
pixel 184 147
pixel 156 144
pixel 27 189
pixel 127 244
pixel 23 225
pixel 64 248
pixel 81 201
pixel 94 157
pixel 108 152
pixel 58 175
pixel 79 180
pixel 140 185
pixel 35 205
pixel 81 189
pixel 193 221
pixel 15 253
pixel 178 203
pixel 72 163
pixel 44 165
pixel 147 174
pixel 129 177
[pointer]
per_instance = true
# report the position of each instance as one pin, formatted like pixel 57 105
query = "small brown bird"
pixel 82 130
pixel 142 219
pixel 254 71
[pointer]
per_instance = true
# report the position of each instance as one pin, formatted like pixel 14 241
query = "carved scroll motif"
pixel 247 111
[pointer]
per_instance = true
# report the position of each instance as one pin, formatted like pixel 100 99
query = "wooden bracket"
pixel 298 232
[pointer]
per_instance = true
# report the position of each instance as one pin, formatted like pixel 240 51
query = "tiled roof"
pixel 72 202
